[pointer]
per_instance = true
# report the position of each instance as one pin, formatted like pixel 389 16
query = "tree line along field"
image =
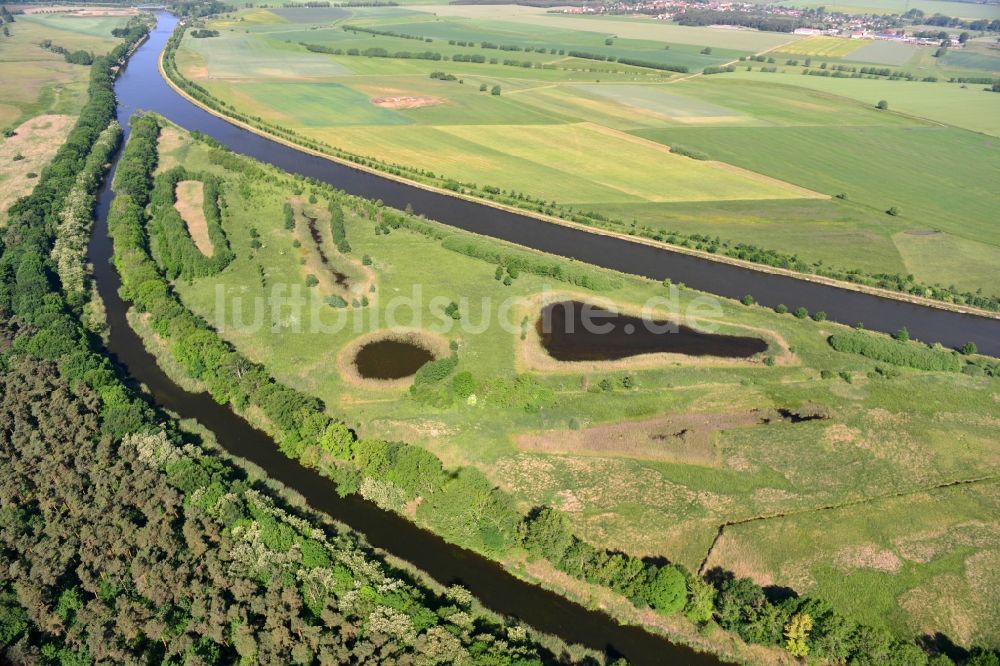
pixel 129 536
pixel 539 135
pixel 631 484
pixel 42 92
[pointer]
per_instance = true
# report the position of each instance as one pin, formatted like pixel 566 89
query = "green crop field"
pixel 538 19
pixel 884 53
pixel 873 167
pixel 968 107
pixel 972 59
pixel 883 434
pixel 583 132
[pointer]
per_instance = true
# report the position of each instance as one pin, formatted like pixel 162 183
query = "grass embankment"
pixel 884 431
pixel 543 114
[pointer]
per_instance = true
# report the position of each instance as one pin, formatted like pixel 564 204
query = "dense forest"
pixel 125 540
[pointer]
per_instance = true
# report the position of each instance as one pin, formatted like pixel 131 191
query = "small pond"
pixel 577 331
pixel 390 359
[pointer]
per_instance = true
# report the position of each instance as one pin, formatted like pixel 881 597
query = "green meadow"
pixel 539 19
pixel 885 431
pixel 873 166
pixel 596 136
pixel 37 81
pixel 965 106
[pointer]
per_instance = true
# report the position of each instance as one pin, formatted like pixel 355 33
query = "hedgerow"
pixel 887 350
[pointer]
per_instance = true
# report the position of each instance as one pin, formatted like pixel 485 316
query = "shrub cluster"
pixel 170 241
pixel 337 229
pixel 897 352
pixel 528 263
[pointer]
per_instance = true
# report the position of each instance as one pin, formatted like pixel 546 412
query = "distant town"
pixel 914 26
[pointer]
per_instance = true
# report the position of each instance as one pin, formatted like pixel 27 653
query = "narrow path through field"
pixel 733 62
pixel 831 507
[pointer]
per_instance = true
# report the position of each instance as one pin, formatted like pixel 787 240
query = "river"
pixel 140 86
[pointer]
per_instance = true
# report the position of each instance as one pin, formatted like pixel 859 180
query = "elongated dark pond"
pixel 577 331
pixel 141 86
pixel 390 359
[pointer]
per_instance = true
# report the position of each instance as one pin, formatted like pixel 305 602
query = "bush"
pixel 897 352
pixel 173 247
pixel 781 308
pixel 667 592
pixel 434 371
pixel 688 152
pixel 801 312
pixel 464 384
pixel 529 262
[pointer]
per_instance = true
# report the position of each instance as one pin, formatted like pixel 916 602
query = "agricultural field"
pixel 644 29
pixel 822 47
pixel 649 455
pixel 42 93
pixel 953 221
pixel 597 136
pixel 977 55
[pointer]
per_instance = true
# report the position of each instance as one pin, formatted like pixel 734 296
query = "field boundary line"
pixel 677 249
pixel 833 507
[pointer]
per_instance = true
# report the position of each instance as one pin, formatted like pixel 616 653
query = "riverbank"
pixel 660 245
pixel 496 587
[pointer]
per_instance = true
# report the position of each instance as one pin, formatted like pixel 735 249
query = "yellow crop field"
pixel 822 46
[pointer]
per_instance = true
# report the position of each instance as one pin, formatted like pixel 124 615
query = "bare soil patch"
pixel 189 202
pixel 170 140
pixel 404 102
pixel 35 142
pixel 680 438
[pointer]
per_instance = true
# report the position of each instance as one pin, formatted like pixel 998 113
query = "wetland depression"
pixel 577 331
pixel 390 359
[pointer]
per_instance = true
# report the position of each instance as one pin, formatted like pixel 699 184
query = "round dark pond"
pixel 390 359
pixel 577 331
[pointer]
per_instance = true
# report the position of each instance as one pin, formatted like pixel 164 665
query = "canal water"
pixel 139 86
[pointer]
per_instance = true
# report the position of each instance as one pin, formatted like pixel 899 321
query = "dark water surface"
pixel 140 86
pixel 576 331
pixel 390 359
